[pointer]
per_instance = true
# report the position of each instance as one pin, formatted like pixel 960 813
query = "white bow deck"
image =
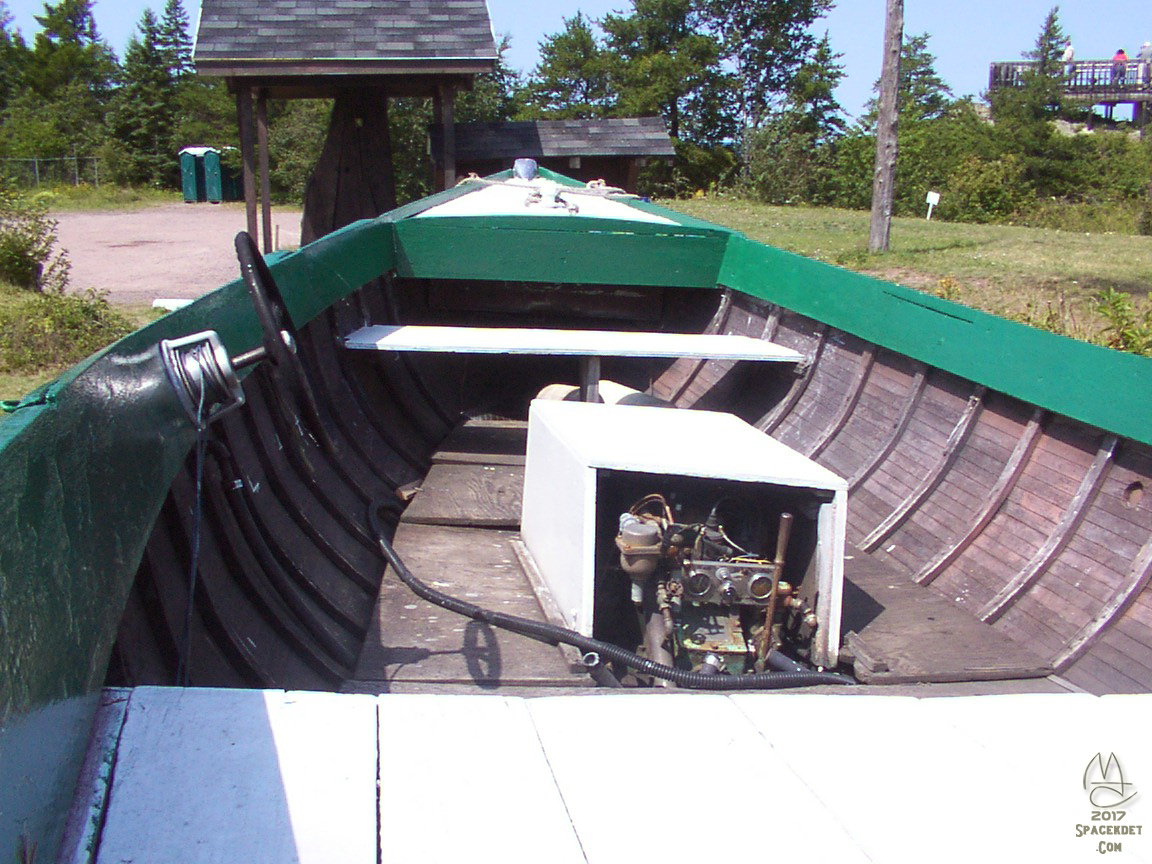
pixel 268 776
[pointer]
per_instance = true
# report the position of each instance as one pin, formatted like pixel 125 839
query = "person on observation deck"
pixel 1145 58
pixel 1119 66
pixel 1068 58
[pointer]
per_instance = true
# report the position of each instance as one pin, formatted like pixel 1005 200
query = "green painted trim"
pixel 1107 389
pixel 559 249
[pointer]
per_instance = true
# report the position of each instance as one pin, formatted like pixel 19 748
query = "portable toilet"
pixel 192 176
pixel 213 186
pixel 221 182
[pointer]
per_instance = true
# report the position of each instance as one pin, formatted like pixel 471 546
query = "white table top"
pixel 577 343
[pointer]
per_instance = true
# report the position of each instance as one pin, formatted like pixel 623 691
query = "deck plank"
pixel 878 791
pixel 489 442
pixel 465 778
pixel 413 640
pixel 469 495
pixel 906 632
pixel 243 775
pixel 677 799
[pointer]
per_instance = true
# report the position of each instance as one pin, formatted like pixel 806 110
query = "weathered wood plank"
pixel 486 442
pixel 413 640
pixel 244 775
pixel 804 374
pixel 932 479
pixel 880 455
pixel 848 405
pixel 906 632
pixel 469 495
pixel 1057 540
pixel 1136 582
pixel 995 498
pixel 464 778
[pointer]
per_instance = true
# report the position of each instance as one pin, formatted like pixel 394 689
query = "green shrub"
pixel 986 190
pixel 27 238
pixel 45 330
pixel 695 169
pixel 1129 328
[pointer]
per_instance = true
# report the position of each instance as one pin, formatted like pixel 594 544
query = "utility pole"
pixel 887 120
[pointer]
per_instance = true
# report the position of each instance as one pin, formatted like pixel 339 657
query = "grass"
pixel 1043 277
pixel 107 197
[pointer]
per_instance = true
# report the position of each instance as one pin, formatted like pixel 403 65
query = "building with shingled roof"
pixel 613 150
pixel 359 53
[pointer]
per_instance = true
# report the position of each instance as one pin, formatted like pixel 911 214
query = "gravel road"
pixel 166 251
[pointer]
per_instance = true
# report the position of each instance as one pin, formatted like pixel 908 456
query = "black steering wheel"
pixel 279 336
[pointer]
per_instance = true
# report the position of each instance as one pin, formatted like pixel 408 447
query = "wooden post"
pixel 353 178
pixel 886 127
pixel 265 178
pixel 443 104
pixel 244 114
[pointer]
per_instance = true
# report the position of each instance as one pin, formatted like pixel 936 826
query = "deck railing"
pixel 1098 80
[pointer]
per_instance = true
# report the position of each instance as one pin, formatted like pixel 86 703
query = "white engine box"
pixel 574 446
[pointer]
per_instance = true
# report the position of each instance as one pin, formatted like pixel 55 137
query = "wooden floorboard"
pixel 489 442
pixel 469 495
pixel 905 632
pixel 413 640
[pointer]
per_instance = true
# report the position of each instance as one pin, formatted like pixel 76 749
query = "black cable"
pixel 184 664
pixel 554 635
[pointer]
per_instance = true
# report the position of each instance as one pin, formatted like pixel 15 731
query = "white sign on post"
pixel 932 200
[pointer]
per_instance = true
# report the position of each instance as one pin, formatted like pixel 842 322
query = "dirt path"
pixel 167 251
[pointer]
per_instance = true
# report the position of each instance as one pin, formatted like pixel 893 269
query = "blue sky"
pixel 965 36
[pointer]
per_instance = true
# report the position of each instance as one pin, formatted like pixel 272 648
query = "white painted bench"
pixel 588 345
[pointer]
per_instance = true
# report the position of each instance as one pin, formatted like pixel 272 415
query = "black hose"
pixel 554 635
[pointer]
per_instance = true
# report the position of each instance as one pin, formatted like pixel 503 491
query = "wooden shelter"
pixel 613 150
pixel 358 53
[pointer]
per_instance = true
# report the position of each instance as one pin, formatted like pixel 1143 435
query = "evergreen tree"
pixel 142 113
pixel 663 64
pixel 13 57
pixel 921 93
pixel 174 40
pixel 571 81
pixel 69 50
pixel 495 95
pixel 766 42
pixel 1049 47
pixel 812 98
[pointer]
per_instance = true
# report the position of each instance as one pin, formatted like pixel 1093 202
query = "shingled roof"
pixel 242 38
pixel 628 136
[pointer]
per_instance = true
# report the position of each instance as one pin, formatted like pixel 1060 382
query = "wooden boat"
pixel 997 526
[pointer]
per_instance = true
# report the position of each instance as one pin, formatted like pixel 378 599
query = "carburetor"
pixel 707 603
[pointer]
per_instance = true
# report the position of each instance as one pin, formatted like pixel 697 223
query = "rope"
pixel 595 188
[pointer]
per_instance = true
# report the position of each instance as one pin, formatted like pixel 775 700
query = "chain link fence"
pixel 67 170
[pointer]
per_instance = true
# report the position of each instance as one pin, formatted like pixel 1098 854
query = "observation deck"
pixel 1089 82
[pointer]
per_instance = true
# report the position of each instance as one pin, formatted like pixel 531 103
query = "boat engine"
pixel 706 602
